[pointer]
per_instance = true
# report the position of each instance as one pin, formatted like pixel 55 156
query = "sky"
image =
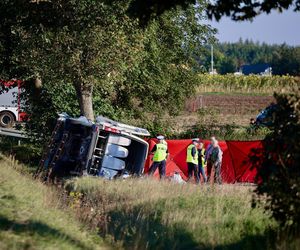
pixel 275 28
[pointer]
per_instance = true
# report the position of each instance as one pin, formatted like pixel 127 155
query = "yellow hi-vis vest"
pixel 189 157
pixel 160 153
pixel 203 157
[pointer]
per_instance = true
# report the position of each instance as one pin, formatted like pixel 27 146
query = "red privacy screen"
pixel 236 165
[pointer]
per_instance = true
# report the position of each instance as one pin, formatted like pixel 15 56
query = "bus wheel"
pixel 7 119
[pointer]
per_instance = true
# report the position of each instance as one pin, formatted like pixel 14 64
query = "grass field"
pixel 148 214
pixel 31 216
pixel 130 214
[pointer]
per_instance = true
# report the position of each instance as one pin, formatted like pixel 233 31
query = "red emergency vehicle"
pixel 10 103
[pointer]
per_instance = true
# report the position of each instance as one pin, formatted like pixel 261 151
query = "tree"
pixel 82 31
pixel 229 57
pixel 74 42
pixel 91 50
pixel 165 75
pixel 278 163
pixel 245 9
pixel 147 10
pixel 85 43
pixel 286 60
pixel 227 65
pixel 237 9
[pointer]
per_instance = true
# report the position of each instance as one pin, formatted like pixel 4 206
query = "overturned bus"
pixel 105 148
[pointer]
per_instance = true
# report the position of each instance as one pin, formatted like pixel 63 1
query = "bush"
pixel 225 132
pixel 278 163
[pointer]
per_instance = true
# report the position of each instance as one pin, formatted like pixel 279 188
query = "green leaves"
pixel 246 10
pixel 93 46
pixel 230 57
pixel 278 163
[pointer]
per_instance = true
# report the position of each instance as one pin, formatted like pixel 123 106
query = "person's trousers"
pixel 209 168
pixel 218 176
pixel 201 171
pixel 161 165
pixel 214 173
pixel 193 168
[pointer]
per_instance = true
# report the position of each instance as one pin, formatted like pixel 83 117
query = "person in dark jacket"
pixel 216 162
pixel 207 157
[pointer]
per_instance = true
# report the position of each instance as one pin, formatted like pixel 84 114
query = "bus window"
pixel 9 98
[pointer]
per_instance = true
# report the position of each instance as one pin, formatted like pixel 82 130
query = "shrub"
pixel 224 132
pixel 278 163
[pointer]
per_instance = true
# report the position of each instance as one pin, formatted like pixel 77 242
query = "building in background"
pixel 263 69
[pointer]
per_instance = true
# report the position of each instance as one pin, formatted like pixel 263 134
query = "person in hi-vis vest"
pixel 160 151
pixel 192 160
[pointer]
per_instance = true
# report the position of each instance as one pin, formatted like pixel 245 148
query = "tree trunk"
pixel 86 106
pixel 85 97
pixel 38 83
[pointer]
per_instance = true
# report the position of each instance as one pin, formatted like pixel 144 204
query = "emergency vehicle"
pixel 10 103
pixel 105 148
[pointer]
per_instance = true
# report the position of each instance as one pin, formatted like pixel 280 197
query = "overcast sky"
pixel 273 28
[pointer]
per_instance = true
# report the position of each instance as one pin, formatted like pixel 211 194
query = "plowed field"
pixel 229 104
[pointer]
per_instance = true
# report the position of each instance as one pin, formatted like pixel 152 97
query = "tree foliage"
pixel 278 163
pixel 245 9
pixel 147 10
pixel 92 49
pixel 229 57
pixel 236 9
pixel 78 42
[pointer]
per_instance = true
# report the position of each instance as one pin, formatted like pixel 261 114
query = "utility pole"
pixel 212 58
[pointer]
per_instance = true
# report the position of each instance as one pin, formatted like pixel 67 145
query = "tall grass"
pixel 131 214
pixel 148 214
pixel 31 216
pixel 26 152
pixel 251 84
